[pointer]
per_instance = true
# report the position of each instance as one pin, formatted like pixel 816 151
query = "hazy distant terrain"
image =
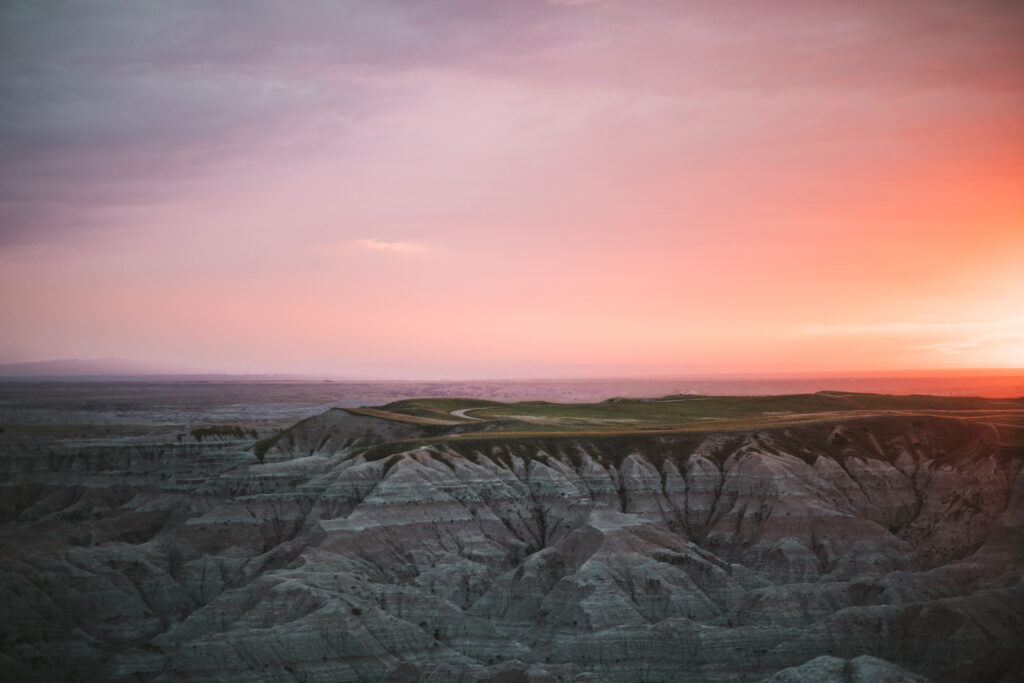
pixel 184 400
pixel 285 531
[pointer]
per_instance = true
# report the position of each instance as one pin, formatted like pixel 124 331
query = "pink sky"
pixel 514 189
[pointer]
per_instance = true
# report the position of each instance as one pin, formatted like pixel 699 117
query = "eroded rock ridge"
pixel 362 549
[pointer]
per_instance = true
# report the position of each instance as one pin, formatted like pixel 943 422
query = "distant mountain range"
pixel 90 367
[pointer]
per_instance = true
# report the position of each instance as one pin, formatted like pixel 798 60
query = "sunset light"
pixel 515 189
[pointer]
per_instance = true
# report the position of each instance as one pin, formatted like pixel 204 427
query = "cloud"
pixel 973 343
pixel 377 245
pixel 397 247
pixel 116 102
pixel 1002 337
pixel 121 103
pixel 907 327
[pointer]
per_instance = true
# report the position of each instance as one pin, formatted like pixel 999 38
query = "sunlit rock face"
pixel 868 550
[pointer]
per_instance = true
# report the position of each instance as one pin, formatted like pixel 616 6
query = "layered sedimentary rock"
pixel 876 549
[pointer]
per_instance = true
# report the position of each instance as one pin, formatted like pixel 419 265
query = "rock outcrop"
pixel 359 549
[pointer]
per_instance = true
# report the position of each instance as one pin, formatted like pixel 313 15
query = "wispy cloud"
pixel 975 342
pixel 949 338
pixel 908 327
pixel 353 246
pixel 397 247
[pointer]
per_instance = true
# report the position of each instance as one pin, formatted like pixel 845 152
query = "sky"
pixel 513 188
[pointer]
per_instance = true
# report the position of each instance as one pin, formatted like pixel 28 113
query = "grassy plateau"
pixel 455 418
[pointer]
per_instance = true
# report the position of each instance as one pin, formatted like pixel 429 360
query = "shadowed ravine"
pixel 517 542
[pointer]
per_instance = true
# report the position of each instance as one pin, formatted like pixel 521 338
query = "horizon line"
pixel 918 373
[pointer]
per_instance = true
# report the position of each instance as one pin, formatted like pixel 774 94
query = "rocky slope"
pixel 362 549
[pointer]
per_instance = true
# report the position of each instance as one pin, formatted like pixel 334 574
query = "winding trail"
pixel 462 413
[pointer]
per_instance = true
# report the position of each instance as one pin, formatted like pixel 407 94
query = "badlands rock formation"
pixel 362 549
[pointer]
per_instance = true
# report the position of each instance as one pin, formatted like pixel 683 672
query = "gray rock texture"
pixel 881 549
pixel 863 669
